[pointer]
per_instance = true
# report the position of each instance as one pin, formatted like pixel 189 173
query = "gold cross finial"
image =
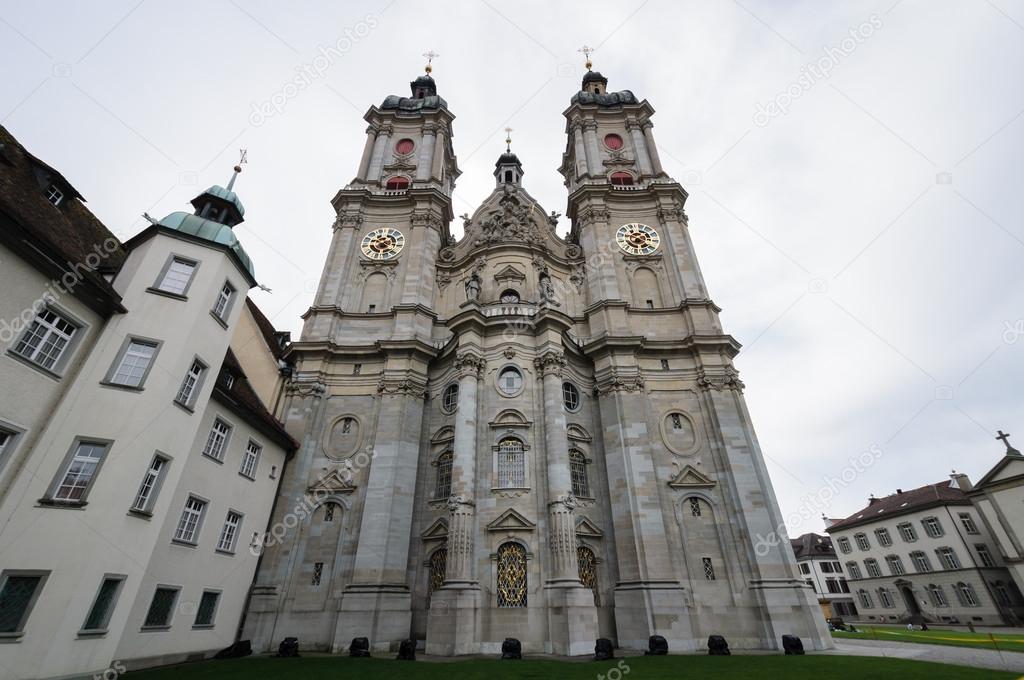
pixel 508 140
pixel 243 157
pixel 430 58
pixel 587 51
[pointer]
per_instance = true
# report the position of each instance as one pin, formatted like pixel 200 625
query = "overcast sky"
pixel 854 197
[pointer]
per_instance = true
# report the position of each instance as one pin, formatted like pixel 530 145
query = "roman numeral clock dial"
pixel 637 239
pixel 383 244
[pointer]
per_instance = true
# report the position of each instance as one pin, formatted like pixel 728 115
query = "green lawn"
pixel 936 636
pixel 646 668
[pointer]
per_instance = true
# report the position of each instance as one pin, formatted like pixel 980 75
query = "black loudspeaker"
pixel 603 650
pixel 407 651
pixel 717 646
pixel 792 644
pixel 656 646
pixel 360 647
pixel 288 648
pixel 511 648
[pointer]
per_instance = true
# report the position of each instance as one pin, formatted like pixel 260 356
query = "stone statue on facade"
pixel 473 287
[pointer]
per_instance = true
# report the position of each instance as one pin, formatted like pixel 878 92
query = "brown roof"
pixel 243 400
pixel 812 545
pixel 267 330
pixel 57 239
pixel 903 502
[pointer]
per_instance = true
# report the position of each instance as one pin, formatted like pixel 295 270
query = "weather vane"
pixel 587 51
pixel 243 157
pixel 431 55
pixel 508 140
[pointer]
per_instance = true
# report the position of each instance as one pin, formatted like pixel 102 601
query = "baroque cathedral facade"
pixel 514 434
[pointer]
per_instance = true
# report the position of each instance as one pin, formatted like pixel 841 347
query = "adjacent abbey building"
pixel 514 434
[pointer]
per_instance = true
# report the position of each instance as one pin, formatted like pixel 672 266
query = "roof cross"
pixel 508 140
pixel 431 55
pixel 587 51
pixel 1004 437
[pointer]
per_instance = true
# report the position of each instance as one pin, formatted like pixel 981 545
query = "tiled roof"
pixel 55 238
pixel 812 545
pixel 267 329
pixel 242 398
pixel 903 502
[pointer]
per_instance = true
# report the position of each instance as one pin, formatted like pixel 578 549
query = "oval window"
pixel 613 142
pixel 450 398
pixel 510 381
pixel 404 146
pixel 570 396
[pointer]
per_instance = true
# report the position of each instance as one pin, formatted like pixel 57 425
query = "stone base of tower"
pixel 792 609
pixel 572 618
pixel 646 608
pixel 453 622
pixel 381 613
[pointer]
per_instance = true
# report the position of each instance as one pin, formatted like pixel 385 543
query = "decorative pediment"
pixel 334 482
pixel 438 531
pixel 587 529
pixel 445 434
pixel 400 167
pixel 510 417
pixel 510 520
pixel 577 433
pixel 513 221
pixel 690 477
pixel 509 275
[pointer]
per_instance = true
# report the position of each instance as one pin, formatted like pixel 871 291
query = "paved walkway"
pixel 961 656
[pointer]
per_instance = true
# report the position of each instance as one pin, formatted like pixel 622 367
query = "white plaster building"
pixel 515 434
pixel 926 555
pixel 823 572
pixel 136 460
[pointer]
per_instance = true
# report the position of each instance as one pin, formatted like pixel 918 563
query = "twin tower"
pixel 514 434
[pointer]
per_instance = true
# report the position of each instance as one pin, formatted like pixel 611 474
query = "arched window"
pixel 578 471
pixel 885 597
pixel 695 510
pixel 510 381
pixel 444 476
pixel 450 398
pixel 937 595
pixel 865 599
pixel 510 297
pixel 511 464
pixel 438 562
pixel 621 179
pixel 587 568
pixel 396 183
pixel 511 575
pixel 570 396
pixel 329 512
pixel 965 593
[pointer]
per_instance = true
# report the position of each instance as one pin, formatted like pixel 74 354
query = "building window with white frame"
pixel 222 305
pixel 932 526
pixel 510 381
pixel 865 599
pixel 161 607
pixel 921 562
pixel 871 564
pixel 895 565
pixel 79 472
pixel 984 555
pixel 229 532
pixel 884 539
pixel 968 523
pixel 1002 594
pixel 53 194
pixel 853 569
pixel 947 558
pixel 885 598
pixel 46 340
pixel 103 606
pixel 862 541
pixel 844 545
pixel 937 595
pixel 191 521
pixel 511 464
pixel 191 385
pixel 907 532
pixel 250 460
pixel 570 397
pixel 7 439
pixel 134 362
pixel 450 398
pixel 216 441
pixel 965 593
pixel 443 486
pixel 578 473
pixel 177 276
pixel 150 486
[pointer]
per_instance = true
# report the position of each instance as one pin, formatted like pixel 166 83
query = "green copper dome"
pixel 209 230
pixel 225 195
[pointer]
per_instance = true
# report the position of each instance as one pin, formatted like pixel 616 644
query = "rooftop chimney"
pixel 962 481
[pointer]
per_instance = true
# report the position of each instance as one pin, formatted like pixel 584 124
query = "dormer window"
pixel 397 184
pixel 53 194
pixel 621 179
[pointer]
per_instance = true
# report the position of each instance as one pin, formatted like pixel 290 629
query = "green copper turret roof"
pixel 208 230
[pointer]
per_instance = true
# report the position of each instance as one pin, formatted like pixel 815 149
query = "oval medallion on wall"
pixel 342 437
pixel 679 432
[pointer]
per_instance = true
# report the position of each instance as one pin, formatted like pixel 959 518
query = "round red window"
pixel 404 146
pixel 613 141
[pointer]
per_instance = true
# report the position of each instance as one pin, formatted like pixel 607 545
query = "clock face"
pixel 383 244
pixel 637 239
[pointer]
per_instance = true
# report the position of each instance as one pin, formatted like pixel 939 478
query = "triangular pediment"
pixel 587 529
pixel 1008 467
pixel 436 531
pixel 332 482
pixel 690 477
pixel 509 273
pixel 510 520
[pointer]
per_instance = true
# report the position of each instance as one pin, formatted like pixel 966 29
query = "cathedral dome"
pixel 208 230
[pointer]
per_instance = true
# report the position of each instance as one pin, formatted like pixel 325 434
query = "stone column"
pixel 377 159
pixel 436 163
pixel 364 163
pixel 652 148
pixel 462 503
pixel 426 154
pixel 581 152
pixel 572 614
pixel 593 153
pixel 639 146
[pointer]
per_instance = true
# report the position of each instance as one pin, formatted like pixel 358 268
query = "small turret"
pixel 508 169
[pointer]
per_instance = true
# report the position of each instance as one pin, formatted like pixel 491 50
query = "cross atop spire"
pixel 587 51
pixel 243 158
pixel 1005 438
pixel 508 140
pixel 430 59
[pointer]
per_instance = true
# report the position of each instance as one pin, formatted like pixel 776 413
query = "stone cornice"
pixel 402 386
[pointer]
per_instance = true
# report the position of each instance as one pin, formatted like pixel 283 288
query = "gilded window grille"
pixel 511 575
pixel 438 563
pixel 588 567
